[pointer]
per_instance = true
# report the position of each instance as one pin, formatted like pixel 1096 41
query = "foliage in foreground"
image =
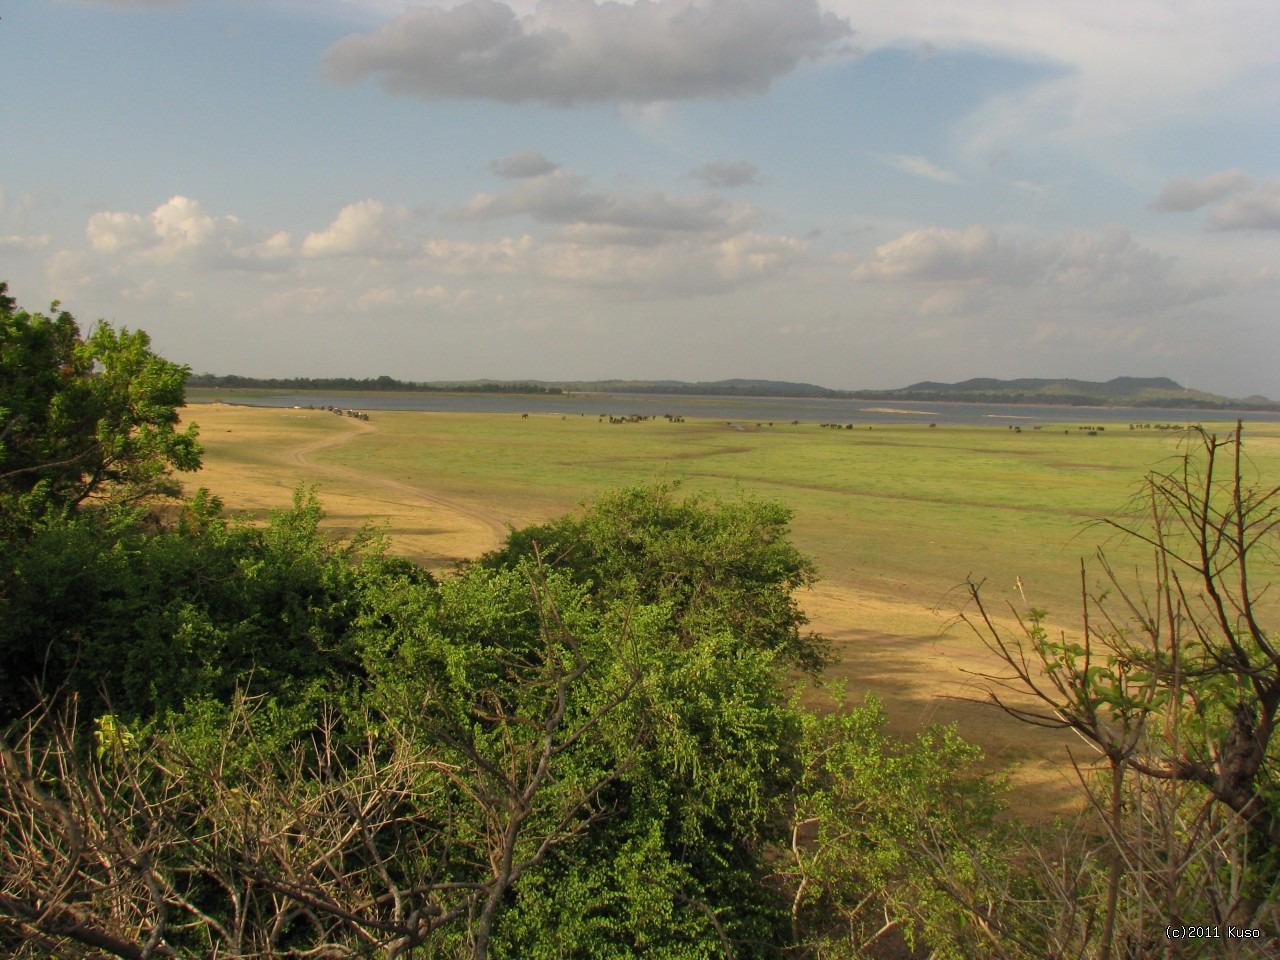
pixel 247 741
pixel 348 757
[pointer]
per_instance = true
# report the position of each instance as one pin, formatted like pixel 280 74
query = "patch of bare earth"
pixel 255 463
pixel 926 669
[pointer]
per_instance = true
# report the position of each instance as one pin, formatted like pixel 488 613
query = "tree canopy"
pixel 85 417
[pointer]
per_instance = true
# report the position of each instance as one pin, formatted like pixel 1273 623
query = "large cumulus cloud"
pixel 1106 271
pixel 578 51
pixel 180 230
pixel 364 229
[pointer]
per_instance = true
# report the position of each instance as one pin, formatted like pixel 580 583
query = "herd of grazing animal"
pixel 354 414
pixel 1087 429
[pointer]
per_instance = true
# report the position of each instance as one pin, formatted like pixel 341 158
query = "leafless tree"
pixel 1174 684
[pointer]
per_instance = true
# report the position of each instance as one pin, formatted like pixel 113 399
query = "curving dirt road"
pixel 301 457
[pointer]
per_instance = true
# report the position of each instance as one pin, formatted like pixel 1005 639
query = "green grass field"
pixel 896 517
pixel 906 512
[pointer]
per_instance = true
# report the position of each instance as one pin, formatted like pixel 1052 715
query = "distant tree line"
pixel 366 383
pixel 719 388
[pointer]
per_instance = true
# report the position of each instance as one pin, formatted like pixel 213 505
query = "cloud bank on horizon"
pixel 853 194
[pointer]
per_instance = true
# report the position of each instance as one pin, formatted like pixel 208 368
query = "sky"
pixel 853 193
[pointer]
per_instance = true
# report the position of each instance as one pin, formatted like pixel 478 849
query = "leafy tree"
pixel 82 418
pixel 885 838
pixel 717 565
pixel 139 621
pixel 530 749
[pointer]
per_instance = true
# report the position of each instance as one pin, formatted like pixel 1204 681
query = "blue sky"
pixel 852 194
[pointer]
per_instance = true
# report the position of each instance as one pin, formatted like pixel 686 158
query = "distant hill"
pixel 1119 392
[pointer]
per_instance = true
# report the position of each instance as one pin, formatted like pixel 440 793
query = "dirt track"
pixel 302 457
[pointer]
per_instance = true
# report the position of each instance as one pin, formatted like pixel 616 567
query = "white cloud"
pixel 180 230
pixel 918 167
pixel 578 51
pixel 557 197
pixel 562 197
pixel 951 301
pixel 1121 58
pixel 679 267
pixel 1103 80
pixel 942 254
pixel 1243 208
pixel 1106 270
pixel 69 271
pixel 1256 210
pixel 1186 194
pixel 1110 270
pixel 491 258
pixel 589 260
pixel 181 224
pixel 112 232
pixel 364 229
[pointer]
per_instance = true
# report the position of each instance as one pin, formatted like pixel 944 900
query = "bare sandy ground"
pixel 480 528
pixel 255 463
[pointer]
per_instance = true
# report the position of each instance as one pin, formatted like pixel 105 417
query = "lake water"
pixel 732 409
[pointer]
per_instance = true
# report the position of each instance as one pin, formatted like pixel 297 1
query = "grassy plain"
pixel 896 516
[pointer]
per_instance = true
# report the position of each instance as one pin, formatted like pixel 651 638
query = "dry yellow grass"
pixel 256 457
